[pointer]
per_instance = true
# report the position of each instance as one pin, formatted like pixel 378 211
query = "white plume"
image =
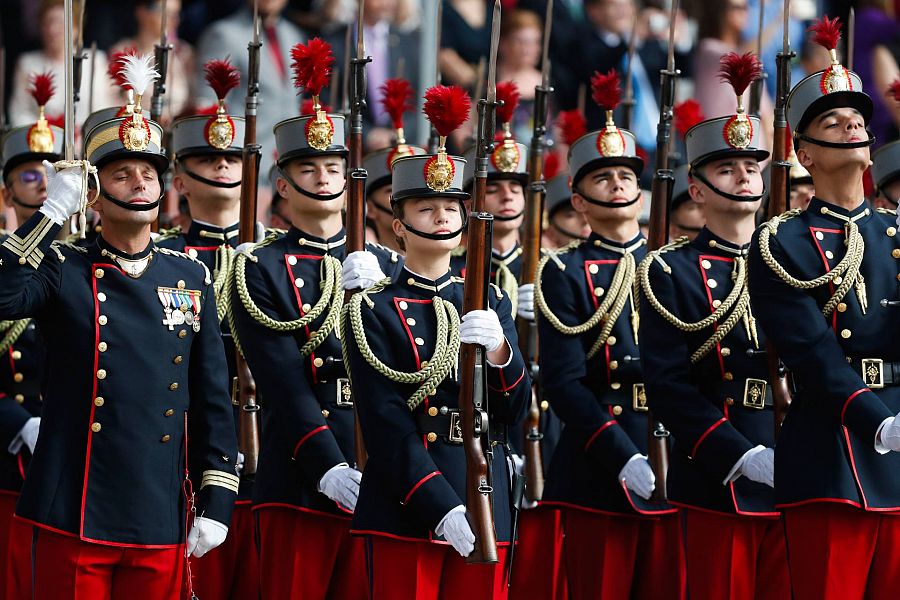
pixel 139 71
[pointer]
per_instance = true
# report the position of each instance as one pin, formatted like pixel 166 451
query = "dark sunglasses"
pixel 31 177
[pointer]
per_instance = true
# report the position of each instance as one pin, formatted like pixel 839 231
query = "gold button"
pixel 102 319
pixel 98 273
pixel 180 283
pixel 192 253
pixel 712 283
pixel 419 341
pixel 545 406
pixel 431 437
pixel 101 373
pixel 842 307
pixel 613 365
pixel 102 346
pixel 599 291
pixel 101 297
pixel 829 254
pixel 306 307
pixel 96 427
pixel 173 386
pixel 726 351
pixel 177 360
pixel 169 412
pixel 611 340
pixel 411 281
pixel 301 242
pixel 615 385
pixel 593 269
pixel 432 411
pixel 410 321
pixel 16 355
pixel 299 283
pixel 729 401
pixel 403 305
pixel 20 398
pixel 716 303
pixel 728 376
pixel 895 252
pixel 325 413
pixel 597 243
pixel 819 235
pixel 838 280
pixel 617 410
pixel 22 260
pixel 18 377
pixel 706 264
pixel 165 438
pixel 713 243
pixel 292 260
pixel 318 362
pixel 891 231
pixel 182 334
pixel 846 333
pixel 898 276
pixel 99 400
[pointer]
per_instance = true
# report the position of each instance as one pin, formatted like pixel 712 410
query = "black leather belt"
pixel 627 394
pixel 877 373
pixel 446 423
pixel 748 393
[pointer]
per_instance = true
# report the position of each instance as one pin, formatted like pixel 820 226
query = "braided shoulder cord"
pixel 741 310
pixel 443 360
pixel 621 298
pixel 12 329
pixel 507 282
pixel 221 278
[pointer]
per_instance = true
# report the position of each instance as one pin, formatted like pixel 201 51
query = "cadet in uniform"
pixel 286 306
pixel 135 354
pixel 685 214
pixel 208 169
pixel 618 544
pixel 823 283
pixel 566 224
pixel 886 176
pixel 22 367
pixel 403 340
pixel 704 362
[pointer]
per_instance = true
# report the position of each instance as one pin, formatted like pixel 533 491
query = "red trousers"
pixel 623 557
pixel 18 561
pixel 537 564
pixel 836 551
pixel 735 558
pixel 66 568
pixel 231 571
pixel 408 570
pixel 304 556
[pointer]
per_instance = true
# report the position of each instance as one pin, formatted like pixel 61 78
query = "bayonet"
pixel 162 65
pixel 851 37
pixel 628 102
pixel 756 88
pixel 345 74
pixel 69 119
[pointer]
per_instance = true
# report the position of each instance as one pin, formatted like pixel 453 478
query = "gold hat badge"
pixel 312 72
pixel 138 72
pixel 606 93
pixel 739 71
pixel 505 156
pixel 827 33
pixel 222 77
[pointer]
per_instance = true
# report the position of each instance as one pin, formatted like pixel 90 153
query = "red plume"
pixel 209 110
pixel 306 107
pixel 687 114
pixel 826 32
pixel 397 95
pixel 893 90
pixel 116 64
pixel 221 76
pixel 508 92
pixel 58 120
pixel 41 88
pixel 552 165
pixel 605 89
pixel 312 65
pixel 447 107
pixel 572 125
pixel 739 71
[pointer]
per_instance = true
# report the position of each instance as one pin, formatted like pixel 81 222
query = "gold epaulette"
pixel 497 290
pixel 168 234
pixel 891 212
pixel 773 223
pixel 394 255
pixel 207 278
pixel 55 246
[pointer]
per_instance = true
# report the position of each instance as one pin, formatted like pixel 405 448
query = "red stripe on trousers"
pixel 67 568
pixel 734 557
pixel 309 557
pixel 231 571
pixel 403 570
pixel 839 552
pixel 537 567
pixel 622 557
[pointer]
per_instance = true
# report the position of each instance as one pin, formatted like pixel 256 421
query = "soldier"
pixel 566 224
pixel 886 176
pixel 801 184
pixel 411 503
pixel 21 372
pixel 823 283
pixel 135 354
pixel 286 306
pixel 618 544
pixel 685 214
pixel 706 371
pixel 208 165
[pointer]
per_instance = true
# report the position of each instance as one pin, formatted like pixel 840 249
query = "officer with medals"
pixel 133 392
pixel 208 166
pixel 286 305
pixel 22 151
pixel 704 362
pixel 403 339
pixel 823 283
pixel 618 544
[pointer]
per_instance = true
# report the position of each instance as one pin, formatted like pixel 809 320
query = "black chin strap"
pixel 386 211
pixel 218 184
pixel 512 218
pixel 841 145
pixel 129 205
pixel 566 232
pixel 734 197
pixel 435 236
pixel 307 193
pixel 24 205
pixel 603 202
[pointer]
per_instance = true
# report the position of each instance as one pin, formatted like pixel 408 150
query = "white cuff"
pixel 16 444
pixel 508 360
pixel 879 447
pixel 336 467
pixel 735 473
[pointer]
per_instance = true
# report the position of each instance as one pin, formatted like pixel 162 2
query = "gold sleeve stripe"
pixel 27 248
pixel 223 479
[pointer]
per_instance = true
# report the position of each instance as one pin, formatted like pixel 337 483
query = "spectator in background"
pixel 519 54
pixel 52 58
pixel 568 17
pixel 465 40
pixel 876 30
pixel 180 74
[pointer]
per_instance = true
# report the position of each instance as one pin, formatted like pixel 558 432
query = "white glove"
pixel 482 327
pixel 360 271
pixel 27 436
pixel 239 464
pixel 341 484
pixel 205 535
pixel 758 464
pixel 890 434
pixel 638 476
pixel 63 193
pixel 455 528
pixel 525 305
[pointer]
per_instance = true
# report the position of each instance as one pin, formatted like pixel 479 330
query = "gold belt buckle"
pixel 638 398
pixel 755 393
pixel 455 434
pixel 873 372
pixel 344 392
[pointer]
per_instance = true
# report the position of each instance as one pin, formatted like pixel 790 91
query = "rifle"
pixel 851 35
pixel 78 57
pixel 244 389
pixel 628 100
pixel 531 244
pixel 356 198
pixel 433 134
pixel 779 201
pixel 4 124
pixel 472 384
pixel 661 196
pixel 756 88
pixel 161 55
